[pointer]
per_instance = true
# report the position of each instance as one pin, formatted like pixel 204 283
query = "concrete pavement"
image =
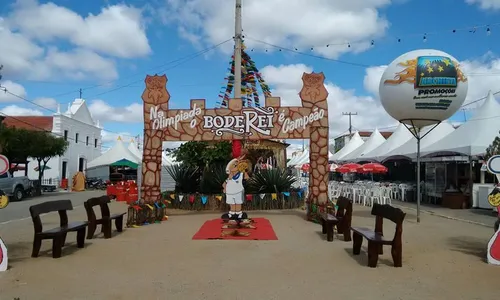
pixel 484 217
pixel 20 210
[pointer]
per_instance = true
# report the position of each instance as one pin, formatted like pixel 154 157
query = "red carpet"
pixel 211 230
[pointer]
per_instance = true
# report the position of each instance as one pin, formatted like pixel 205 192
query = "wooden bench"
pixel 57 235
pixel 376 239
pixel 342 220
pixel 106 217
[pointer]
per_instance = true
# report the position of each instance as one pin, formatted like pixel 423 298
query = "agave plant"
pixel 271 181
pixel 186 178
pixel 212 179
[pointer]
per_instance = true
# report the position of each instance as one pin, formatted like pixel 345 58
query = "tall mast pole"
pixel 238 41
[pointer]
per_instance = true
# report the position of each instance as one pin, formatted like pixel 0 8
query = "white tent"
pixel 474 136
pixel 400 136
pixel 132 147
pixel 355 142
pixel 330 155
pixel 409 149
pixel 116 153
pixel 375 140
pixel 302 157
pixel 168 160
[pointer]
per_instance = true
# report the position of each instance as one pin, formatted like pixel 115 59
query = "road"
pixel 20 210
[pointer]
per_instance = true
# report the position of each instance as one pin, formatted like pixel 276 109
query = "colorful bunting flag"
pixel 274 196
pixel 249 197
pixel 191 199
pixel 180 198
pixel 218 197
pixel 204 199
pixel 172 196
pixel 262 196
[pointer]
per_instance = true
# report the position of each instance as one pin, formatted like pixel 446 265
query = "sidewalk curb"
pixel 444 216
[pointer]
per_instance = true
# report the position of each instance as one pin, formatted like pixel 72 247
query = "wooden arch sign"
pixel 273 121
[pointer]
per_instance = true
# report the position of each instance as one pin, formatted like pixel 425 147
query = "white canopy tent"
pixel 301 158
pixel 409 149
pixel 355 142
pixel 132 147
pixel 294 158
pixel 400 136
pixel 330 155
pixel 99 167
pixel 375 140
pixel 474 136
pixel 116 153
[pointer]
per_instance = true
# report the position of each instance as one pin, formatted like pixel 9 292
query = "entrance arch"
pixel 273 121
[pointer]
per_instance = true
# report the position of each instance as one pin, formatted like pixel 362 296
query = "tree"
pixel 44 147
pixel 203 154
pixel 16 145
pixel 493 149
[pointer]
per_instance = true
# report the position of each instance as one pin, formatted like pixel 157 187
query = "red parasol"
pixel 305 167
pixel 349 168
pixel 372 168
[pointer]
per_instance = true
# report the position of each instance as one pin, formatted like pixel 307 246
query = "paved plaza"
pixel 442 259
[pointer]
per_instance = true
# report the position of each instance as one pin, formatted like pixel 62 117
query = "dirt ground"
pixel 442 259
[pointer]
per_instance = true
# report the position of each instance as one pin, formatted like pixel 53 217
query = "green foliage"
pixel 19 144
pixel 270 181
pixel 202 154
pixel 44 146
pixel 186 178
pixel 16 144
pixel 212 179
pixel 493 149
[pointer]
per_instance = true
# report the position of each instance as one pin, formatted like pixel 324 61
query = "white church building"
pixel 77 126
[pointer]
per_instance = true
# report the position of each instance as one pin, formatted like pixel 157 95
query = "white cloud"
pixel 485 4
pixel 50 103
pixel 104 112
pixel 14 110
pixel 483 75
pixel 370 112
pixel 31 32
pixel 13 88
pixel 322 22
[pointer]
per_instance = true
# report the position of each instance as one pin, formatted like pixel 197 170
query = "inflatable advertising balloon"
pixel 423 87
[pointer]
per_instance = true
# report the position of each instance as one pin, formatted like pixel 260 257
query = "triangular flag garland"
pixel 191 199
pixel 249 197
pixel 172 196
pixel 262 196
pixel 286 194
pixel 180 198
pixel 204 199
pixel 274 196
pixel 218 197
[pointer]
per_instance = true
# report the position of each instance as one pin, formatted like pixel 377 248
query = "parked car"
pixel 15 187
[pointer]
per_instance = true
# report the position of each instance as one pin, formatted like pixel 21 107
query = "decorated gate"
pixel 235 122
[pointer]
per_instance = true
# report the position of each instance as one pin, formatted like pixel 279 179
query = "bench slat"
pixel 114 216
pixel 371 235
pixel 70 227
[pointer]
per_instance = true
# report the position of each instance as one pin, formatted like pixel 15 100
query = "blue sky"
pixel 51 49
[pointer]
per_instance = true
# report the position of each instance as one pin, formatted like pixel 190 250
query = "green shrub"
pixel 212 179
pixel 270 181
pixel 186 178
